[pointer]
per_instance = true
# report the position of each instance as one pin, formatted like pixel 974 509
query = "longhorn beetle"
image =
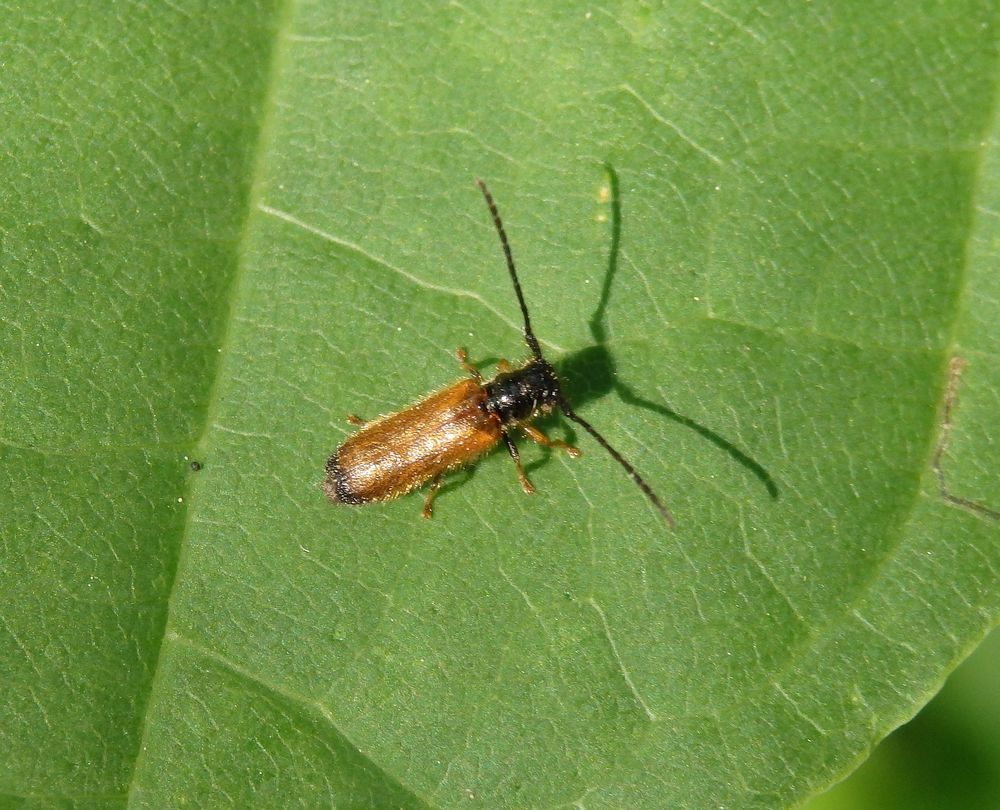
pixel 456 425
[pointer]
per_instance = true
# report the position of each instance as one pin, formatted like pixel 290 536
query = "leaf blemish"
pixel 955 368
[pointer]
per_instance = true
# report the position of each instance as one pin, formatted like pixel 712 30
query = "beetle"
pixel 456 425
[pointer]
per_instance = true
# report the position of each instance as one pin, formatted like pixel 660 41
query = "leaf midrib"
pixel 284 17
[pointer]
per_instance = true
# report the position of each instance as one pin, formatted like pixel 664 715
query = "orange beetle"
pixel 456 425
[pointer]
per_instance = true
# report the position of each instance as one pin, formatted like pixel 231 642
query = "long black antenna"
pixel 529 336
pixel 532 342
pixel 568 412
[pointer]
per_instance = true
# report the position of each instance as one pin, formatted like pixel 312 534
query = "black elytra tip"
pixel 335 484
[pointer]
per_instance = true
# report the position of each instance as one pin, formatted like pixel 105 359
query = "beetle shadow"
pixel 451 481
pixel 590 373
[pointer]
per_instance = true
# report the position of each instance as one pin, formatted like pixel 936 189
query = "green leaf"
pixel 948 756
pixel 754 241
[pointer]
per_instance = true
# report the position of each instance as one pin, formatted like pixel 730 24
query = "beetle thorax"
pixel 518 395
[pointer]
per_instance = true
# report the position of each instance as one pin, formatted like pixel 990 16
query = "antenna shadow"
pixel 590 373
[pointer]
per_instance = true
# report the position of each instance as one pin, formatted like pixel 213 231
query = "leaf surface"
pixel 754 241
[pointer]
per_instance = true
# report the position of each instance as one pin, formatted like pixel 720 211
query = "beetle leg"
pixel 540 438
pixel 467 367
pixel 355 420
pixel 429 498
pixel 504 367
pixel 512 449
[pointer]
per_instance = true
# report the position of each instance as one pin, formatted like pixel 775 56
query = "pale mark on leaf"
pixel 748 551
pixel 781 432
pixel 649 291
pixel 354 248
pixel 730 18
pixel 882 634
pixel 90 223
pixel 671 125
pixel 799 711
pixel 618 659
pixel 524 595
pixel 955 368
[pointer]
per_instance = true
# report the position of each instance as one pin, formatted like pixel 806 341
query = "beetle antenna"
pixel 564 406
pixel 529 336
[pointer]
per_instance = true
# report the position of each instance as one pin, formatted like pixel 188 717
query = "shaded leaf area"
pixel 273 744
pixel 791 271
pixel 89 548
pixel 124 194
